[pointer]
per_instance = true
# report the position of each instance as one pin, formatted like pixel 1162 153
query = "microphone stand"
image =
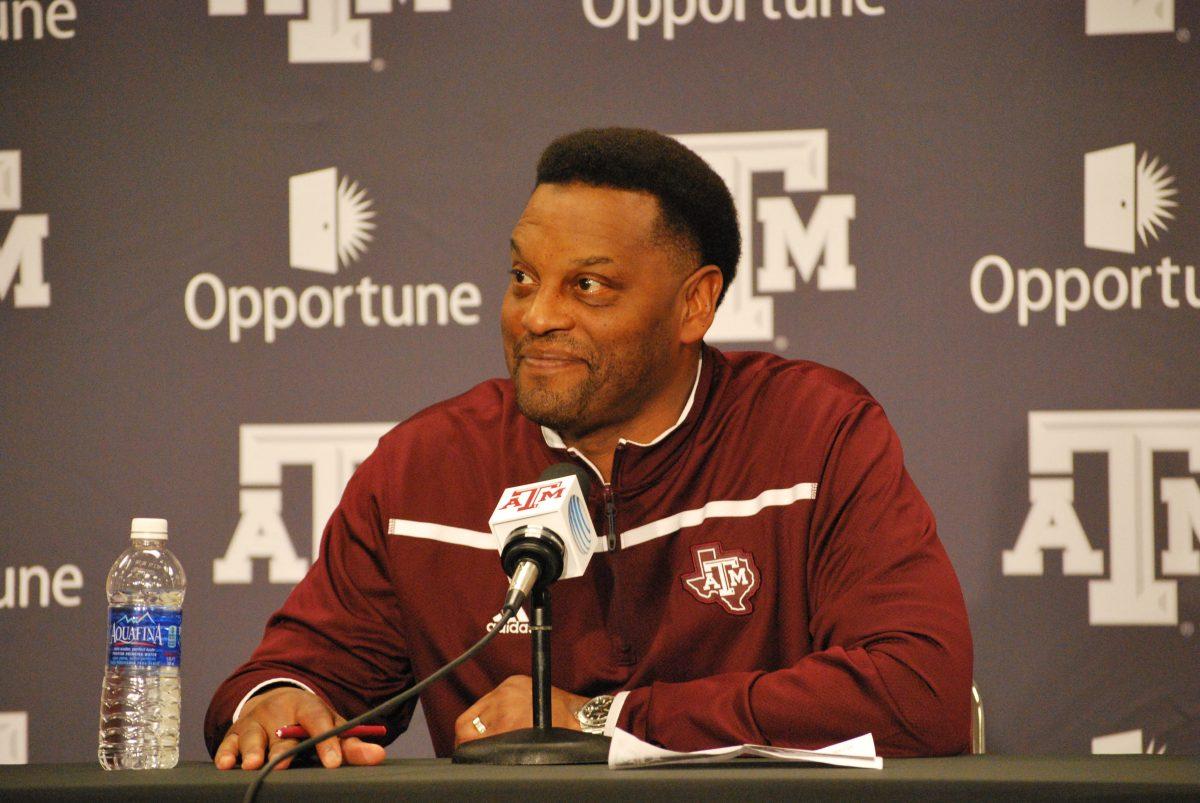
pixel 543 743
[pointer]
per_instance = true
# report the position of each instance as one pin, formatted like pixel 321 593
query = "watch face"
pixel 594 714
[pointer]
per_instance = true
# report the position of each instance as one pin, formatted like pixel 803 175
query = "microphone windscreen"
pixel 558 470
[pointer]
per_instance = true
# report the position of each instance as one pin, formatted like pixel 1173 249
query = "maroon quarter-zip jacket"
pixel 777 576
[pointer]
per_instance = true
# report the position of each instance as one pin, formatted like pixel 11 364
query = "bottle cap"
pixel 152 529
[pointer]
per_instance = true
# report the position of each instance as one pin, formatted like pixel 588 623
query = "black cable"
pixel 384 708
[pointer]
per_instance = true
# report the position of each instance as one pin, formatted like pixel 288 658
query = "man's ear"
pixel 700 293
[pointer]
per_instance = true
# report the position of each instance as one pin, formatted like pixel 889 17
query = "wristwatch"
pixel 594 714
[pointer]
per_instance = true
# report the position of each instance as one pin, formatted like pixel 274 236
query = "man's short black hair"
pixel 696 205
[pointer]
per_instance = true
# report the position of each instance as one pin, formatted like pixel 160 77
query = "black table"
pixel 925 779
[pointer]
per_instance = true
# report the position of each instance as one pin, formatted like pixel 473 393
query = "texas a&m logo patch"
pixel 730 578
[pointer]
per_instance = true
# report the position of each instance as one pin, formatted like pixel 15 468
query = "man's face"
pixel 591 318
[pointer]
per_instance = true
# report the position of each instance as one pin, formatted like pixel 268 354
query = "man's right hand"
pixel 253 739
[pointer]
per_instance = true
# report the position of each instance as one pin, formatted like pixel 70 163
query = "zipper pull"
pixel 610 511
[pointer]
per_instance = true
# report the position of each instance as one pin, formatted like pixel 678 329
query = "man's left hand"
pixel 509 707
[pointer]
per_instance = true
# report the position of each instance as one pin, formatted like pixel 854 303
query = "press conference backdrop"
pixel 241 238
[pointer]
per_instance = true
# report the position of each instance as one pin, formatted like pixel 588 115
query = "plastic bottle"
pixel 139 701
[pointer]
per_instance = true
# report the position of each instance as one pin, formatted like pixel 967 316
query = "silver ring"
pixel 478 723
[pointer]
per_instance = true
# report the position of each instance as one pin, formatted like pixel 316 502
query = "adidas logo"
pixel 518 624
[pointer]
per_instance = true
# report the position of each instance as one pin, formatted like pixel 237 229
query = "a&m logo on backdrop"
pixel 332 451
pixel 21 268
pixel 1129 16
pixel 816 250
pixel 1126 743
pixel 14 737
pixel 1130 205
pixel 330 32
pixel 1136 590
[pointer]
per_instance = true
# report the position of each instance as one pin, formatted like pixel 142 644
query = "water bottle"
pixel 139 701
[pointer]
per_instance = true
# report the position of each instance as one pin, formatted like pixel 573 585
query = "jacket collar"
pixel 637 465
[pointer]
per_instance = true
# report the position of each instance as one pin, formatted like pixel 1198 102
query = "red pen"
pixel 298 731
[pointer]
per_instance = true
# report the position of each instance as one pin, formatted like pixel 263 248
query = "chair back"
pixel 978 743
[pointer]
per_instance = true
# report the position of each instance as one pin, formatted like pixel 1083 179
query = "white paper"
pixel 627 751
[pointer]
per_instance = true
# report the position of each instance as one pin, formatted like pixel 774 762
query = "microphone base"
pixel 535 746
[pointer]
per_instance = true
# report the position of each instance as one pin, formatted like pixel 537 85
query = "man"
pixel 769 573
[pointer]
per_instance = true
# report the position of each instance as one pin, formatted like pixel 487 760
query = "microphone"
pixel 545 534
pixel 544 531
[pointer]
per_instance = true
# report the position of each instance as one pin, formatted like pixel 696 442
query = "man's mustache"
pixel 561 347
